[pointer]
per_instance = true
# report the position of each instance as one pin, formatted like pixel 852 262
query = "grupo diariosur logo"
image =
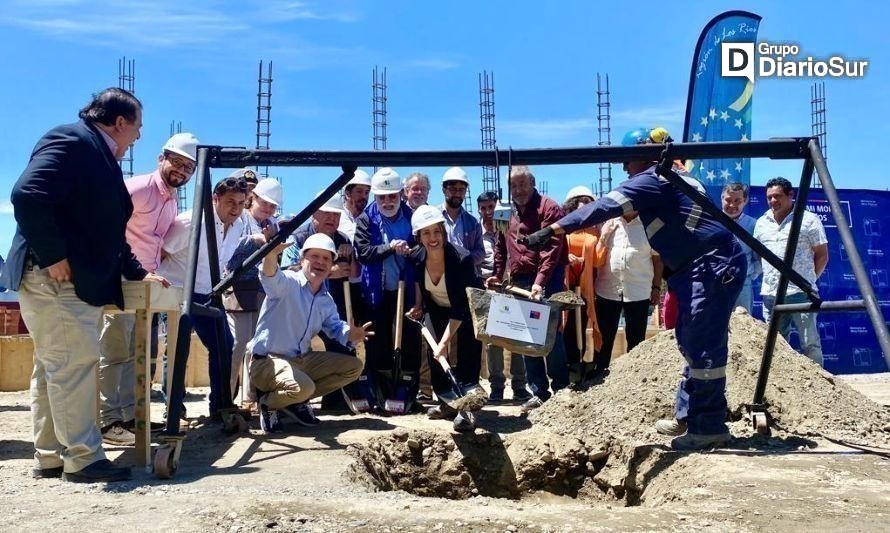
pixel 784 61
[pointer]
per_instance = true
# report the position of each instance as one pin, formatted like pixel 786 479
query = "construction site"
pixel 809 447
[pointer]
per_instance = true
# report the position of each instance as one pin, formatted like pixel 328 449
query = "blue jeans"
pixel 745 297
pixel 205 327
pixel 537 369
pixel 706 292
pixel 804 323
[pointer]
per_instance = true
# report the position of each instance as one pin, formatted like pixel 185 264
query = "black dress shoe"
pixel 101 471
pixel 47 473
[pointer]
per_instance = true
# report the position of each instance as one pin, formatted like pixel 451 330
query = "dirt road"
pixel 297 483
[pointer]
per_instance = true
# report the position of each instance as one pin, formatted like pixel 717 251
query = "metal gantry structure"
pixel 803 148
pixel 604 130
pixel 818 118
pixel 491 178
pixel 378 110
pixel 126 80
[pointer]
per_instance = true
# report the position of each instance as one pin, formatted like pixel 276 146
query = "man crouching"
pixel 284 369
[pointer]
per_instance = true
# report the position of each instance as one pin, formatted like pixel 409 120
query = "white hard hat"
pixel 580 190
pixel 360 178
pixel 319 241
pixel 184 144
pixel 269 190
pixel 502 212
pixel 333 205
pixel 455 174
pixel 425 216
pixel 386 181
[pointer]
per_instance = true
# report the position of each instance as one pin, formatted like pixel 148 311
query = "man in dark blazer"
pixel 67 258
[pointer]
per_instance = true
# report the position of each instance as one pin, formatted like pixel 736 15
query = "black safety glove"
pixel 536 240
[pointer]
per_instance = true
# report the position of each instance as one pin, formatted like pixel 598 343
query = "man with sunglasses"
pixel 229 197
pixel 154 209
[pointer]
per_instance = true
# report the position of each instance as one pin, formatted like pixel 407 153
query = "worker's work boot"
pixel 671 427
pixel 694 441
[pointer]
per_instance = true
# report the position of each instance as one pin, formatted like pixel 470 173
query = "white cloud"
pixel 289 10
pixel 163 24
pixel 6 208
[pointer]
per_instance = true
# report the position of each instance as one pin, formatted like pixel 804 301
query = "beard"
pixel 389 212
pixel 454 203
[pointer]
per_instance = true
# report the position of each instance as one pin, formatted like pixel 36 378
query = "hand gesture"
pixel 359 334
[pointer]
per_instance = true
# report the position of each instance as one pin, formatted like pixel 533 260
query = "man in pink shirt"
pixel 154 210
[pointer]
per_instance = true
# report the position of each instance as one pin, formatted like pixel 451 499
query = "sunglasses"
pixel 180 163
pixel 230 184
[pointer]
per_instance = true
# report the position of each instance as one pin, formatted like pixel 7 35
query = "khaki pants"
pixel 65 331
pixel 243 326
pixel 117 369
pixel 290 381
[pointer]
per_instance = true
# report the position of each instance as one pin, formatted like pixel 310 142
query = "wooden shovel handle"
pixel 347 300
pixel 400 314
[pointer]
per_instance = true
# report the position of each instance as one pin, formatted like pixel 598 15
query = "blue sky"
pixel 196 62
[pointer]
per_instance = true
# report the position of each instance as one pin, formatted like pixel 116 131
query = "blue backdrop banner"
pixel 718 108
pixel 849 344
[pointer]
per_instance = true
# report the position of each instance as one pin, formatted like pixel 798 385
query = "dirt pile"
pixel 617 416
pixel 601 443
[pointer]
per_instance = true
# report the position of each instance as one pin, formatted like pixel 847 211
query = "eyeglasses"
pixel 230 184
pixel 459 189
pixel 178 162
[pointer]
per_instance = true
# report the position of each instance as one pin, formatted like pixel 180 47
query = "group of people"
pixel 372 267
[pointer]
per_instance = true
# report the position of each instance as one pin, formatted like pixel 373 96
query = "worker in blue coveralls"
pixel 707 270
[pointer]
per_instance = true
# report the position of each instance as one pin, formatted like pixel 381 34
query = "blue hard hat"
pixel 636 136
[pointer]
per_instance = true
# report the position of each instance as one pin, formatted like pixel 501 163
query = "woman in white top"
pixel 443 273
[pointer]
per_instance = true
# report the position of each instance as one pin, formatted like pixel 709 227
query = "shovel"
pixel 356 400
pixel 452 401
pixel 560 300
pixel 397 400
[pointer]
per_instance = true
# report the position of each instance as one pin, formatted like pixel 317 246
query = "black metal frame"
pixel 805 148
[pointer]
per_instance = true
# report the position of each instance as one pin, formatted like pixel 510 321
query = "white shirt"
pixel 775 237
pixel 439 293
pixel 628 275
pixel 176 244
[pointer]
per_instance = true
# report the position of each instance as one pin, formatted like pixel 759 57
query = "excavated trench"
pixel 600 444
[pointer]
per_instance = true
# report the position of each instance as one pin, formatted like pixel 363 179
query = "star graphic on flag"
pixel 724 174
pixel 710 176
pixel 704 121
pixel 724 116
pixel 712 114
pixel 696 137
pixel 738 123
pixel 738 166
pixel 744 137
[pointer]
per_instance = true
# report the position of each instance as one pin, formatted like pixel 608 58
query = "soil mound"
pixel 601 443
